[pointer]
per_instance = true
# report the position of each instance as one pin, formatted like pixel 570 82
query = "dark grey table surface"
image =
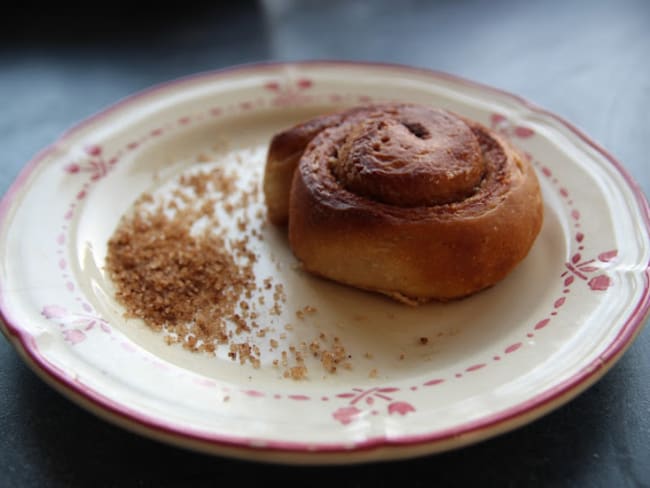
pixel 588 61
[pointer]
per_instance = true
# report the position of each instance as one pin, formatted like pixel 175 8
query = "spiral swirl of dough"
pixel 414 157
pixel 415 202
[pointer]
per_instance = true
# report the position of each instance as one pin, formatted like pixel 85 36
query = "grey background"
pixel 588 61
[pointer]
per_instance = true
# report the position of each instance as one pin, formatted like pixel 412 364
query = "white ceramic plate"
pixel 492 362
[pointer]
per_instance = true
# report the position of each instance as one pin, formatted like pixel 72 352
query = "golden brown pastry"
pixel 407 200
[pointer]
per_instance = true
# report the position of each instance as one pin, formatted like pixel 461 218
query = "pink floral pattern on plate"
pixel 74 326
pixel 368 398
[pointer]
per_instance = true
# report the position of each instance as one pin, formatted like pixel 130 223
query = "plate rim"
pixel 275 450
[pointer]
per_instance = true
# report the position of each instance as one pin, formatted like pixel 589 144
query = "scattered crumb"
pixel 373 373
pixel 424 340
pixel 296 373
pixel 304 311
pixel 328 361
pixel 314 347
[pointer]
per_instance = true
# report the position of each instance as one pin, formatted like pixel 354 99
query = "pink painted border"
pixel 481 428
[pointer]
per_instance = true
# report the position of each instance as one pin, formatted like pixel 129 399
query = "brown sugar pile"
pixel 165 275
pixel 198 286
pixel 174 278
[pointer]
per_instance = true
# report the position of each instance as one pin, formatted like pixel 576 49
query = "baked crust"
pixel 284 153
pixel 403 199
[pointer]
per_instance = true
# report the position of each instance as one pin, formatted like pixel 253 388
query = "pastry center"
pixel 414 157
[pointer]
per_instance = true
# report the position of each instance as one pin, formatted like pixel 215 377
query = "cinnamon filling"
pixel 413 157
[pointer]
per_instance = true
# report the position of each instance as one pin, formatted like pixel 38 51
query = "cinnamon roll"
pixel 407 200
